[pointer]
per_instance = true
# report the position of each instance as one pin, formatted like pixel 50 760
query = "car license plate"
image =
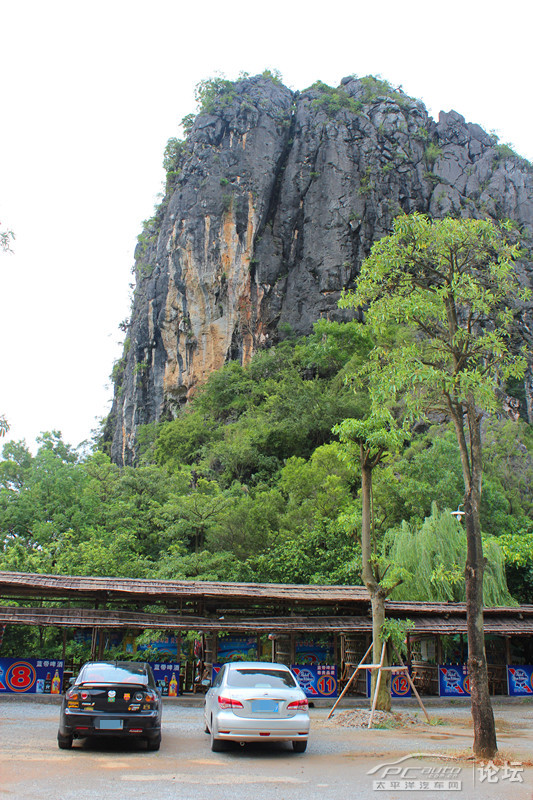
pixel 111 724
pixel 265 705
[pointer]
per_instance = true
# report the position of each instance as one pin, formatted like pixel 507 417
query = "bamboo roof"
pixel 23 584
pixel 105 618
pixel 224 606
pixel 42 586
pixel 110 619
pixel 446 609
pixel 498 625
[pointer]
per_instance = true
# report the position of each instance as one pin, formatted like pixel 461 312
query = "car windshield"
pixel 113 673
pixel 260 678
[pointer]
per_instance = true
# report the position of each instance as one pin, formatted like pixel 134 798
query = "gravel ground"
pixel 343 760
pixel 360 718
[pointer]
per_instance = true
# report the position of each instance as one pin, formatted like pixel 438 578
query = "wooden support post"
pixel 339 698
pixel 411 684
pixel 101 644
pixel 381 669
pixel 95 634
pixel 507 650
pixel 439 649
pixel 93 643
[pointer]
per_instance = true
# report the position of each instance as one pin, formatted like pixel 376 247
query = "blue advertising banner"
pixel 230 646
pixel 453 680
pixel 31 675
pixel 310 652
pixel 317 680
pixel 399 685
pixel 520 681
pixel 167 677
pixel 168 645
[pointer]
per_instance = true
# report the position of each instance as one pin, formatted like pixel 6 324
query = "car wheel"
pixel 64 742
pixel 153 743
pixel 299 746
pixel 217 745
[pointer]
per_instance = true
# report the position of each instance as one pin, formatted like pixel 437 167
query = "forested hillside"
pixel 271 204
pixel 246 484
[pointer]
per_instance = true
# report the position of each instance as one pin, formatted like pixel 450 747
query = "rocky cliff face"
pixel 272 203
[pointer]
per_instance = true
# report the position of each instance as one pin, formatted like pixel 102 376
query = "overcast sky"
pixel 91 92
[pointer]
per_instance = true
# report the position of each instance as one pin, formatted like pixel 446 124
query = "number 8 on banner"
pixel 20 676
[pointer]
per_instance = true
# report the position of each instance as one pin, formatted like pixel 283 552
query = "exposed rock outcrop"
pixel 272 204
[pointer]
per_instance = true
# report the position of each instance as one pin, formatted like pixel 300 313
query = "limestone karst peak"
pixel 272 202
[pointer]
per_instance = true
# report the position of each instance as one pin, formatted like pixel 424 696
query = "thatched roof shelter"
pixel 212 606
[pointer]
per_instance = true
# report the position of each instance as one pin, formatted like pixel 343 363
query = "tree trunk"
pixel 377 596
pixel 485 745
pixel 366 523
pixel 383 703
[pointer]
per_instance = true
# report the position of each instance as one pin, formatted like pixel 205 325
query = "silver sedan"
pixel 254 702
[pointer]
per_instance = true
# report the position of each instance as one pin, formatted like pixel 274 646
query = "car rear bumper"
pixel 262 736
pixel 249 729
pixel 81 724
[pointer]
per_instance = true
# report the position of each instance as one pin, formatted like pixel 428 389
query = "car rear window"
pixel 110 673
pixel 260 678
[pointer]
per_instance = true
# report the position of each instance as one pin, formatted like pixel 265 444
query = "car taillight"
pixel 296 705
pixel 72 698
pixel 229 702
pixel 148 701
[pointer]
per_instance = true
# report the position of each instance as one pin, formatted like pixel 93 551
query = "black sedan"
pixel 112 698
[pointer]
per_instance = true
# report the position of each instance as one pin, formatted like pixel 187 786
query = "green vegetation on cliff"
pixel 246 484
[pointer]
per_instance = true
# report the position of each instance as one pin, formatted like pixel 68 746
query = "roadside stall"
pixel 321 631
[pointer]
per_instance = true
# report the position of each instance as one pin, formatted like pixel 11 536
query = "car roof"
pixel 267 665
pixel 115 672
pixel 136 665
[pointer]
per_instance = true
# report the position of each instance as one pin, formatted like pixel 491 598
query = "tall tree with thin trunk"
pixel 452 287
pixel 376 438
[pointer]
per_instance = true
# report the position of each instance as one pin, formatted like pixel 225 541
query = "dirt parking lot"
pixel 337 764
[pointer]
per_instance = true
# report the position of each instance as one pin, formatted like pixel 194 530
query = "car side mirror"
pixel 206 682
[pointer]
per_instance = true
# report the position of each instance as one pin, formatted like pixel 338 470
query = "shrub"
pixel 432 152
pixel 332 100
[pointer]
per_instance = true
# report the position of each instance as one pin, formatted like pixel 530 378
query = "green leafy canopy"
pixel 451 285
